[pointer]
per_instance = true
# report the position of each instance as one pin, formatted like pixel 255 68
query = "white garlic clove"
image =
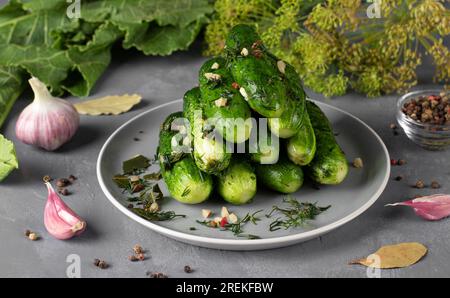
pixel 59 220
pixel 48 122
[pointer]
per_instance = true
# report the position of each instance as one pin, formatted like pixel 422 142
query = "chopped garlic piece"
pixel 174 142
pixel 212 76
pixel 243 93
pixel 233 218
pixel 358 163
pixel 154 207
pixel 244 52
pixel 186 141
pixel 215 65
pixel 224 212
pixel 134 178
pixel 206 213
pixel 281 66
pixel 221 102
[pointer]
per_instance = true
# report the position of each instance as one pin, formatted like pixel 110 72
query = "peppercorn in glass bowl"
pixel 425 117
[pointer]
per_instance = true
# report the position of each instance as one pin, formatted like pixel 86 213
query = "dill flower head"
pixel 334 45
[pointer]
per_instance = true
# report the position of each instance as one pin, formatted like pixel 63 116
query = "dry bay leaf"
pixel 113 104
pixel 394 256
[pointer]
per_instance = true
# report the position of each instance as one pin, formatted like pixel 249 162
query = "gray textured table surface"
pixel 111 235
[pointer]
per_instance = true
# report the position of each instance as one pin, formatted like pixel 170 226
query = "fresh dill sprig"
pixel 156 215
pixel 295 215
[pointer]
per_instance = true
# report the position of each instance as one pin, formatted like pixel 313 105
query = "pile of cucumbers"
pixel 216 144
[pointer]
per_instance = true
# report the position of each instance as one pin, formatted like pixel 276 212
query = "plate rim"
pixel 243 243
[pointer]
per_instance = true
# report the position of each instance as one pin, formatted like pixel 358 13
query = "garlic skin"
pixel 48 122
pixel 59 220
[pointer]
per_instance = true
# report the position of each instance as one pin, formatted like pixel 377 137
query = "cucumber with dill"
pixel 329 165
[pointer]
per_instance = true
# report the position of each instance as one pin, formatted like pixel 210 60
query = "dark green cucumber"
pixel 232 117
pixel 185 182
pixel 167 155
pixel 209 150
pixel 301 148
pixel 291 121
pixel 252 67
pixel 329 165
pixel 237 184
pixel 283 176
pixel 260 84
pixel 265 148
pixel 241 36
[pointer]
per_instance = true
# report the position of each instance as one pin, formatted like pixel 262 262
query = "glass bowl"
pixel 428 136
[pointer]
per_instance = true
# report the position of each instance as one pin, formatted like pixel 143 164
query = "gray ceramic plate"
pixel 358 192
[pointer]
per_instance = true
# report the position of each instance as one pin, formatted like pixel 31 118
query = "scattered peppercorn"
pixel 398 178
pixel 435 185
pixel 188 269
pixel 138 249
pixel 103 265
pixel 401 162
pixel 141 131
pixel 72 178
pixel 47 178
pixel 63 191
pixel 358 163
pixel 419 184
pixel 33 236
pixel 396 133
pixel 133 258
pixel 156 275
pixel 27 233
pixel 431 109
pixel 100 264
pixel 136 139
pixel 130 206
pixel 192 228
pixel 62 182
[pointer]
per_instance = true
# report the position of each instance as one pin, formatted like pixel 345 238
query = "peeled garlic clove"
pixel 48 122
pixel 59 220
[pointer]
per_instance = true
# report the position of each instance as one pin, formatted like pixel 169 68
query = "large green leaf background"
pixel 69 55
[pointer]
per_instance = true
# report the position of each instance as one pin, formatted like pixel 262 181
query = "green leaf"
pixel 137 163
pixel 177 13
pixel 49 65
pixel 30 27
pixel 37 38
pixel 12 85
pixel 91 60
pixel 165 40
pixel 8 158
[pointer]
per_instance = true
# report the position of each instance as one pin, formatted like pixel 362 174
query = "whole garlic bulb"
pixel 48 122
